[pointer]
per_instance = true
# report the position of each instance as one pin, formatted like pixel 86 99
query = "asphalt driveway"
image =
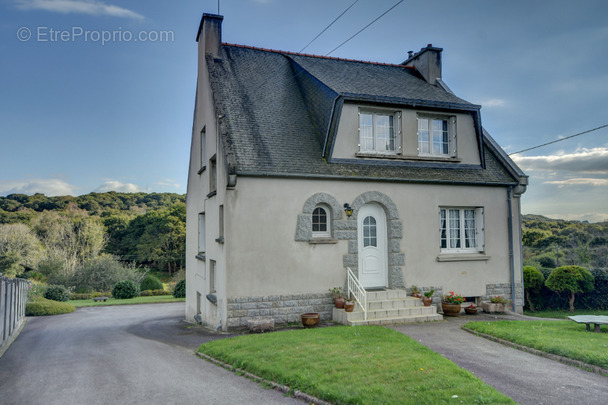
pixel 135 354
pixel 525 377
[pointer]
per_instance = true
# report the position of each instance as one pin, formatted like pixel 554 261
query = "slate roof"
pixel 275 109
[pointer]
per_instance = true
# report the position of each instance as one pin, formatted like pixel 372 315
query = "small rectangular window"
pixel 201 233
pixel 203 140
pixel 221 224
pixel 378 133
pixel 461 229
pixel 212 277
pixel 437 136
pixel 212 175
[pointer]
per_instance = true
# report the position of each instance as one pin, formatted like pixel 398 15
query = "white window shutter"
pixel 452 135
pixel 479 229
pixel 397 128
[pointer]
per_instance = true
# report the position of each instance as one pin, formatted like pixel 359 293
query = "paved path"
pixel 136 354
pixel 525 377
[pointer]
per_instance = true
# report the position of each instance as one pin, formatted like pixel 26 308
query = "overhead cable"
pixel 558 140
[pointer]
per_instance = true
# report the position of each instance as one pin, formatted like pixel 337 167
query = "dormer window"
pixel 377 132
pixel 436 136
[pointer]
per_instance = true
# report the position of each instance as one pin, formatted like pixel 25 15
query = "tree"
pixel 102 272
pixel 19 249
pixel 571 279
pixel 533 282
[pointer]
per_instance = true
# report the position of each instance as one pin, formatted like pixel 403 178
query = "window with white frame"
pixel 436 136
pixel 379 132
pixel 321 222
pixel 461 229
pixel 201 233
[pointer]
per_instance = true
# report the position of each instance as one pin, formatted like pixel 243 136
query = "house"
pixel 283 142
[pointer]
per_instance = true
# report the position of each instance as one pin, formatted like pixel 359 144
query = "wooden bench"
pixel 597 320
pixel 100 299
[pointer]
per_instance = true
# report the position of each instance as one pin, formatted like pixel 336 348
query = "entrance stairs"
pixel 388 307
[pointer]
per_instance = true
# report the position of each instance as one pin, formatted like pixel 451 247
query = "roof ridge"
pixel 316 56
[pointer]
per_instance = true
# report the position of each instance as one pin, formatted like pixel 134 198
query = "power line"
pixel 326 28
pixel 364 28
pixel 558 140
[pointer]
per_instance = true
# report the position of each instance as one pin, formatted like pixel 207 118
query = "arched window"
pixel 320 222
pixel 369 232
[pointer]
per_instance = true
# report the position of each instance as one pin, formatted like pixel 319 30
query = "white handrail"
pixel 355 289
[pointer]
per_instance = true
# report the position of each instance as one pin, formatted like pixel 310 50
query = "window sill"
pixel 211 194
pixel 462 257
pixel 322 241
pixel 202 169
pixel 201 256
pixel 408 157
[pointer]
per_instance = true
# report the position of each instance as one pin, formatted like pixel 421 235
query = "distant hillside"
pixel 21 208
pixel 556 242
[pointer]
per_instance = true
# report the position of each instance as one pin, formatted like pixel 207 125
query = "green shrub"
pixel 125 289
pixel 44 307
pixel 57 293
pixel 146 293
pixel 180 289
pixel 570 279
pixel 533 283
pixel 161 292
pixel 80 296
pixel 102 273
pixel 36 290
pixel 151 282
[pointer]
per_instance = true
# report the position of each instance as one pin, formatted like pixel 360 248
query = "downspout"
pixel 511 258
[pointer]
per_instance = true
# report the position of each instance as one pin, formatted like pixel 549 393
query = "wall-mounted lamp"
pixel 348 209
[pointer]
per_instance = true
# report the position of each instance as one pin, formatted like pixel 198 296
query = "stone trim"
pixel 504 289
pixel 304 222
pixel 282 308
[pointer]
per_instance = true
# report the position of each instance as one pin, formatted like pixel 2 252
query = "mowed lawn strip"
pixel 563 314
pixel 153 299
pixel 354 365
pixel 564 338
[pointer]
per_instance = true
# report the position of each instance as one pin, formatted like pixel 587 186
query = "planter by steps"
pixel 493 308
pixel 450 309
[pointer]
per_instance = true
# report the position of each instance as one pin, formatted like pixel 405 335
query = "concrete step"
pixel 390 303
pixel 397 321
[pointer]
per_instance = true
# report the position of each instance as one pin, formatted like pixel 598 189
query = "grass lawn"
pixel 564 338
pixel 354 365
pixel 130 301
pixel 562 314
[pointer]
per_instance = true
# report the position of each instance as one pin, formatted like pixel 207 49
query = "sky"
pixel 98 95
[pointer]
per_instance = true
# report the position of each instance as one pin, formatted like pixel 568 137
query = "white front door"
pixel 372 239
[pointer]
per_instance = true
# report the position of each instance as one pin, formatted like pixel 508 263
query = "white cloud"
pixel 593 160
pixel 167 183
pixel 493 102
pixel 91 7
pixel 115 185
pixel 579 182
pixel 48 187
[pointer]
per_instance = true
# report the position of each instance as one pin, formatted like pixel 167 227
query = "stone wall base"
pixel 283 309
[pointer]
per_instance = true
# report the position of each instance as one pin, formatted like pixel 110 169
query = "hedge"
pixel 596 299
pixel 44 307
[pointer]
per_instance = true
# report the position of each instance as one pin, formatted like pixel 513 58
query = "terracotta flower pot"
pixel 450 309
pixel 427 301
pixel 311 319
pixel 339 302
pixel 349 306
pixel 470 311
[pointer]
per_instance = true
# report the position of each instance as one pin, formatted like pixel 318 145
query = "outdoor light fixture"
pixel 348 209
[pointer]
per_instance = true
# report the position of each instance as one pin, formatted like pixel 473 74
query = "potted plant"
pixel 349 304
pixel 336 292
pixel 496 305
pixel 451 304
pixel 310 319
pixel 427 300
pixel 416 291
pixel 471 309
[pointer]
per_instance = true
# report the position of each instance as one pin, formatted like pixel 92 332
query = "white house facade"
pixel 283 142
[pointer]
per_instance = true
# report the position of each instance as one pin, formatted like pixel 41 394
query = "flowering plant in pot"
pixel 451 304
pixel 496 304
pixel 416 291
pixel 349 305
pixel 471 309
pixel 427 300
pixel 336 292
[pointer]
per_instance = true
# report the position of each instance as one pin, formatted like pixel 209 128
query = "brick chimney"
pixel 427 62
pixel 210 32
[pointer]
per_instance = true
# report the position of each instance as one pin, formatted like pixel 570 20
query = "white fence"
pixel 13 296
